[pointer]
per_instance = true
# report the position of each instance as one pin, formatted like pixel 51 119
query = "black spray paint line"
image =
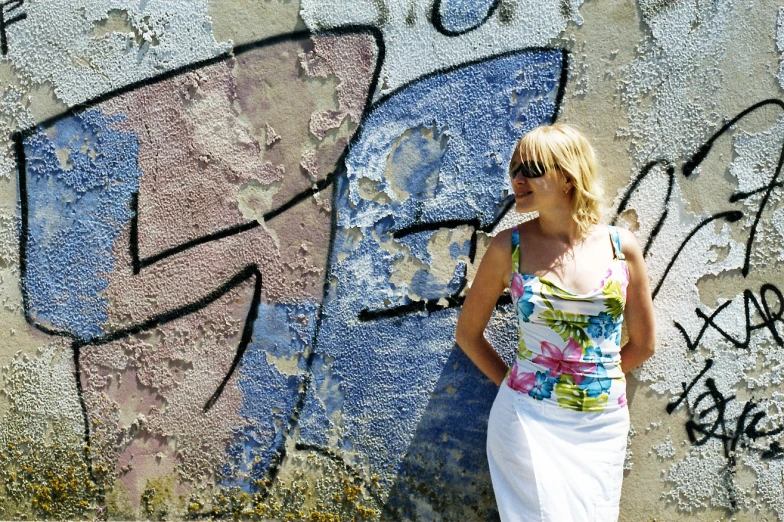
pixel 138 263
pixel 342 171
pixel 670 169
pixel 695 161
pixel 769 319
pixel 11 5
pixel 687 388
pixel 328 180
pixel 438 23
pixel 698 429
pixel 687 169
pixel 251 271
pixel 731 215
pixel 454 300
pixel 708 421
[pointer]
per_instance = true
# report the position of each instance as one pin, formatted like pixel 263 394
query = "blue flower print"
pixel 600 325
pixel 613 333
pixel 524 305
pixel 543 387
pixel 597 384
pixel 593 354
pixel 595 327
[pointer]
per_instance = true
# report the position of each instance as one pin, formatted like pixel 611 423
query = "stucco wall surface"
pixel 235 238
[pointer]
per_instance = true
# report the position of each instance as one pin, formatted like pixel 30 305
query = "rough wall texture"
pixel 235 237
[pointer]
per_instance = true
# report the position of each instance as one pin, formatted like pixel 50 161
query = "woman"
pixel 557 431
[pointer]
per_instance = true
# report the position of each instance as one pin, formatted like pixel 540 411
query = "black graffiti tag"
pixel 709 420
pixel 710 416
pixel 770 318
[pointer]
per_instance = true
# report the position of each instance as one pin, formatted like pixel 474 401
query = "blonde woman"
pixel 557 431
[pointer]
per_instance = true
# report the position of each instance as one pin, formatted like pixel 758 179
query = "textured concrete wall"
pixel 235 236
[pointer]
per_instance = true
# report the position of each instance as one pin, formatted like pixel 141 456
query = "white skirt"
pixel 550 464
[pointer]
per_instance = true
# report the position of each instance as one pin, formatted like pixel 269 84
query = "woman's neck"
pixel 554 225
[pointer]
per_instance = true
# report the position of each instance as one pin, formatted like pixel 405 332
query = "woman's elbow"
pixel 647 346
pixel 461 335
pixel 464 335
pixel 649 349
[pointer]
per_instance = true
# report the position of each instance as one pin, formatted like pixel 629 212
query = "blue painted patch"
pixel 269 396
pixel 417 244
pixel 482 109
pixel 458 16
pixel 387 368
pixel 75 214
pixel 456 250
pixel 417 160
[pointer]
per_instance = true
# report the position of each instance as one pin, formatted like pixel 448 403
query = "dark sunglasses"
pixel 529 169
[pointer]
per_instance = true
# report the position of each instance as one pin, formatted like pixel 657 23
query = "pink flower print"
pixel 521 382
pixel 604 280
pixel 624 281
pixel 517 286
pixel 566 361
pixel 622 400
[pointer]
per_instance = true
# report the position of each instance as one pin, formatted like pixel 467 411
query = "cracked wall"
pixel 232 252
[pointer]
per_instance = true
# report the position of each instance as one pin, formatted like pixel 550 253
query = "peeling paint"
pixel 365 225
pixel 669 91
pixel 416 47
pixel 83 51
pixel 469 167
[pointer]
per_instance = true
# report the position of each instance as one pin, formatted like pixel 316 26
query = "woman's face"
pixel 534 192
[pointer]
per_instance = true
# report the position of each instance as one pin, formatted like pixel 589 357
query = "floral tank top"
pixel 569 344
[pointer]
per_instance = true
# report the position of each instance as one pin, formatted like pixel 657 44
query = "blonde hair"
pixel 565 149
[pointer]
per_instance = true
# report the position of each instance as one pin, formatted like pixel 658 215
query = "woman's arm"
pixel 638 314
pixel 489 283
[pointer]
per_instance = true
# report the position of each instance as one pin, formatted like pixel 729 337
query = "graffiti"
pixel 75 308
pixel 687 169
pixel 454 32
pixel 204 321
pixel 249 264
pixel 715 414
pixel 462 17
pixel 6 8
pixel 709 420
pixel 769 318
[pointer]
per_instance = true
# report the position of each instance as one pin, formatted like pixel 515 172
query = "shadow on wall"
pixel 250 259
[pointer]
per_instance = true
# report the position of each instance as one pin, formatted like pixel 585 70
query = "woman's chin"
pixel 523 207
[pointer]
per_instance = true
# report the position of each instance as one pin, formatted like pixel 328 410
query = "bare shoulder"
pixel 501 244
pixel 629 245
pixel 526 227
pixel 497 259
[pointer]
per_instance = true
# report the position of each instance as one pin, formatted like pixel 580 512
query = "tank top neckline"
pixel 618 257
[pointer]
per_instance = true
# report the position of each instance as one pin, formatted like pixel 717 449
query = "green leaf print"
pixel 567 324
pixel 522 351
pixel 572 397
pixel 556 291
pixel 613 298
